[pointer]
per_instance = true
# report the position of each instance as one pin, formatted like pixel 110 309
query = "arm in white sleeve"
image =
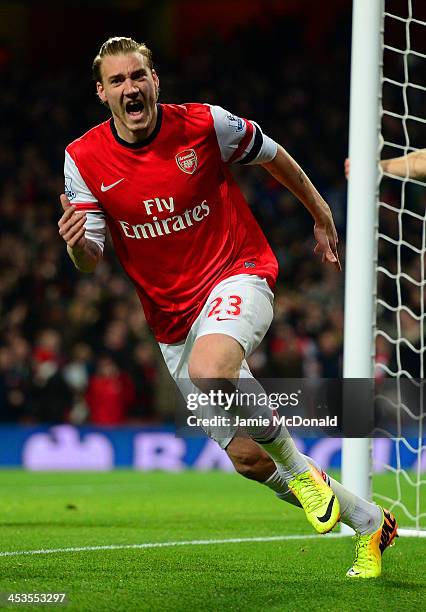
pixel 95 227
pixel 84 256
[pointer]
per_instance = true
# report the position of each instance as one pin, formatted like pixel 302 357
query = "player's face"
pixel 130 88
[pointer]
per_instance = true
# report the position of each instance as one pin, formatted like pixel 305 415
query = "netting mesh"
pixel 401 249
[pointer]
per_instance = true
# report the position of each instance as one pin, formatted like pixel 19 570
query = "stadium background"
pixel 75 349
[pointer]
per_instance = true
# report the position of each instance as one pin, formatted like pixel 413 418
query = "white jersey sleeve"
pixel 240 140
pixel 80 196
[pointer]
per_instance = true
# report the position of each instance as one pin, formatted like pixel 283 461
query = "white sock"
pixel 277 483
pixel 274 439
pixel 362 516
pixel 287 458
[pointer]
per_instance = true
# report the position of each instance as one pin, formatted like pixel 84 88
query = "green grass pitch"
pixel 56 510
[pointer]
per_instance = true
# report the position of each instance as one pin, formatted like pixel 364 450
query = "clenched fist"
pixel 71 224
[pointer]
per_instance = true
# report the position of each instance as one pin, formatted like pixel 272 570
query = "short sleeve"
pixel 240 140
pixel 82 198
pixel 76 189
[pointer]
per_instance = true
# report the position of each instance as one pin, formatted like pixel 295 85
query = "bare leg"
pixel 216 360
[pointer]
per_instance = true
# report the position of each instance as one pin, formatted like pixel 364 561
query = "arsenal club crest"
pixel 187 161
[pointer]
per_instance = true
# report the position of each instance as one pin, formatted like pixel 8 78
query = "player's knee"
pixel 215 357
pixel 204 372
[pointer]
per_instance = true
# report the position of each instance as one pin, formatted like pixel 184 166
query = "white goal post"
pixel 361 222
pixel 363 234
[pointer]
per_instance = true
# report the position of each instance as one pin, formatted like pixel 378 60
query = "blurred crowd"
pixel 76 348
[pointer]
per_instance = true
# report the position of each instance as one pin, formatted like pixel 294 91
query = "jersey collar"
pixel 141 143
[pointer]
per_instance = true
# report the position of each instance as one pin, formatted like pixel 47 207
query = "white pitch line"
pixel 412 533
pixel 49 551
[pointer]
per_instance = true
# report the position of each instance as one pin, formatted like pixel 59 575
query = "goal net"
pixel 401 250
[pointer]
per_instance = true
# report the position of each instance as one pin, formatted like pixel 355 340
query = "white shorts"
pixel 241 307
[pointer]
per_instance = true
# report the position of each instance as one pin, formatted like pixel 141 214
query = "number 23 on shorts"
pixel 224 309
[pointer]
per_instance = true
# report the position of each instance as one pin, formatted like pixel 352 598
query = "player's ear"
pixel 101 92
pixel 156 81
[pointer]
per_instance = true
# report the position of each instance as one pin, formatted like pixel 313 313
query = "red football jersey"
pixel 178 220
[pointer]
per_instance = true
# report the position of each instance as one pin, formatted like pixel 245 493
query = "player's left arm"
pixel 288 172
pixel 242 141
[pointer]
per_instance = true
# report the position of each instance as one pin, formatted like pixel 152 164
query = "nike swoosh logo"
pixel 326 517
pixel 108 187
pixel 225 319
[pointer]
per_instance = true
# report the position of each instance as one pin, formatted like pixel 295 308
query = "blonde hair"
pixel 118 45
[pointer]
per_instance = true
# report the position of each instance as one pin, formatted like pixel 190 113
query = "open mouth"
pixel 135 109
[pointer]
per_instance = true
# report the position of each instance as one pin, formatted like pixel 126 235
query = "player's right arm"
pixel 82 225
pixel 84 253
